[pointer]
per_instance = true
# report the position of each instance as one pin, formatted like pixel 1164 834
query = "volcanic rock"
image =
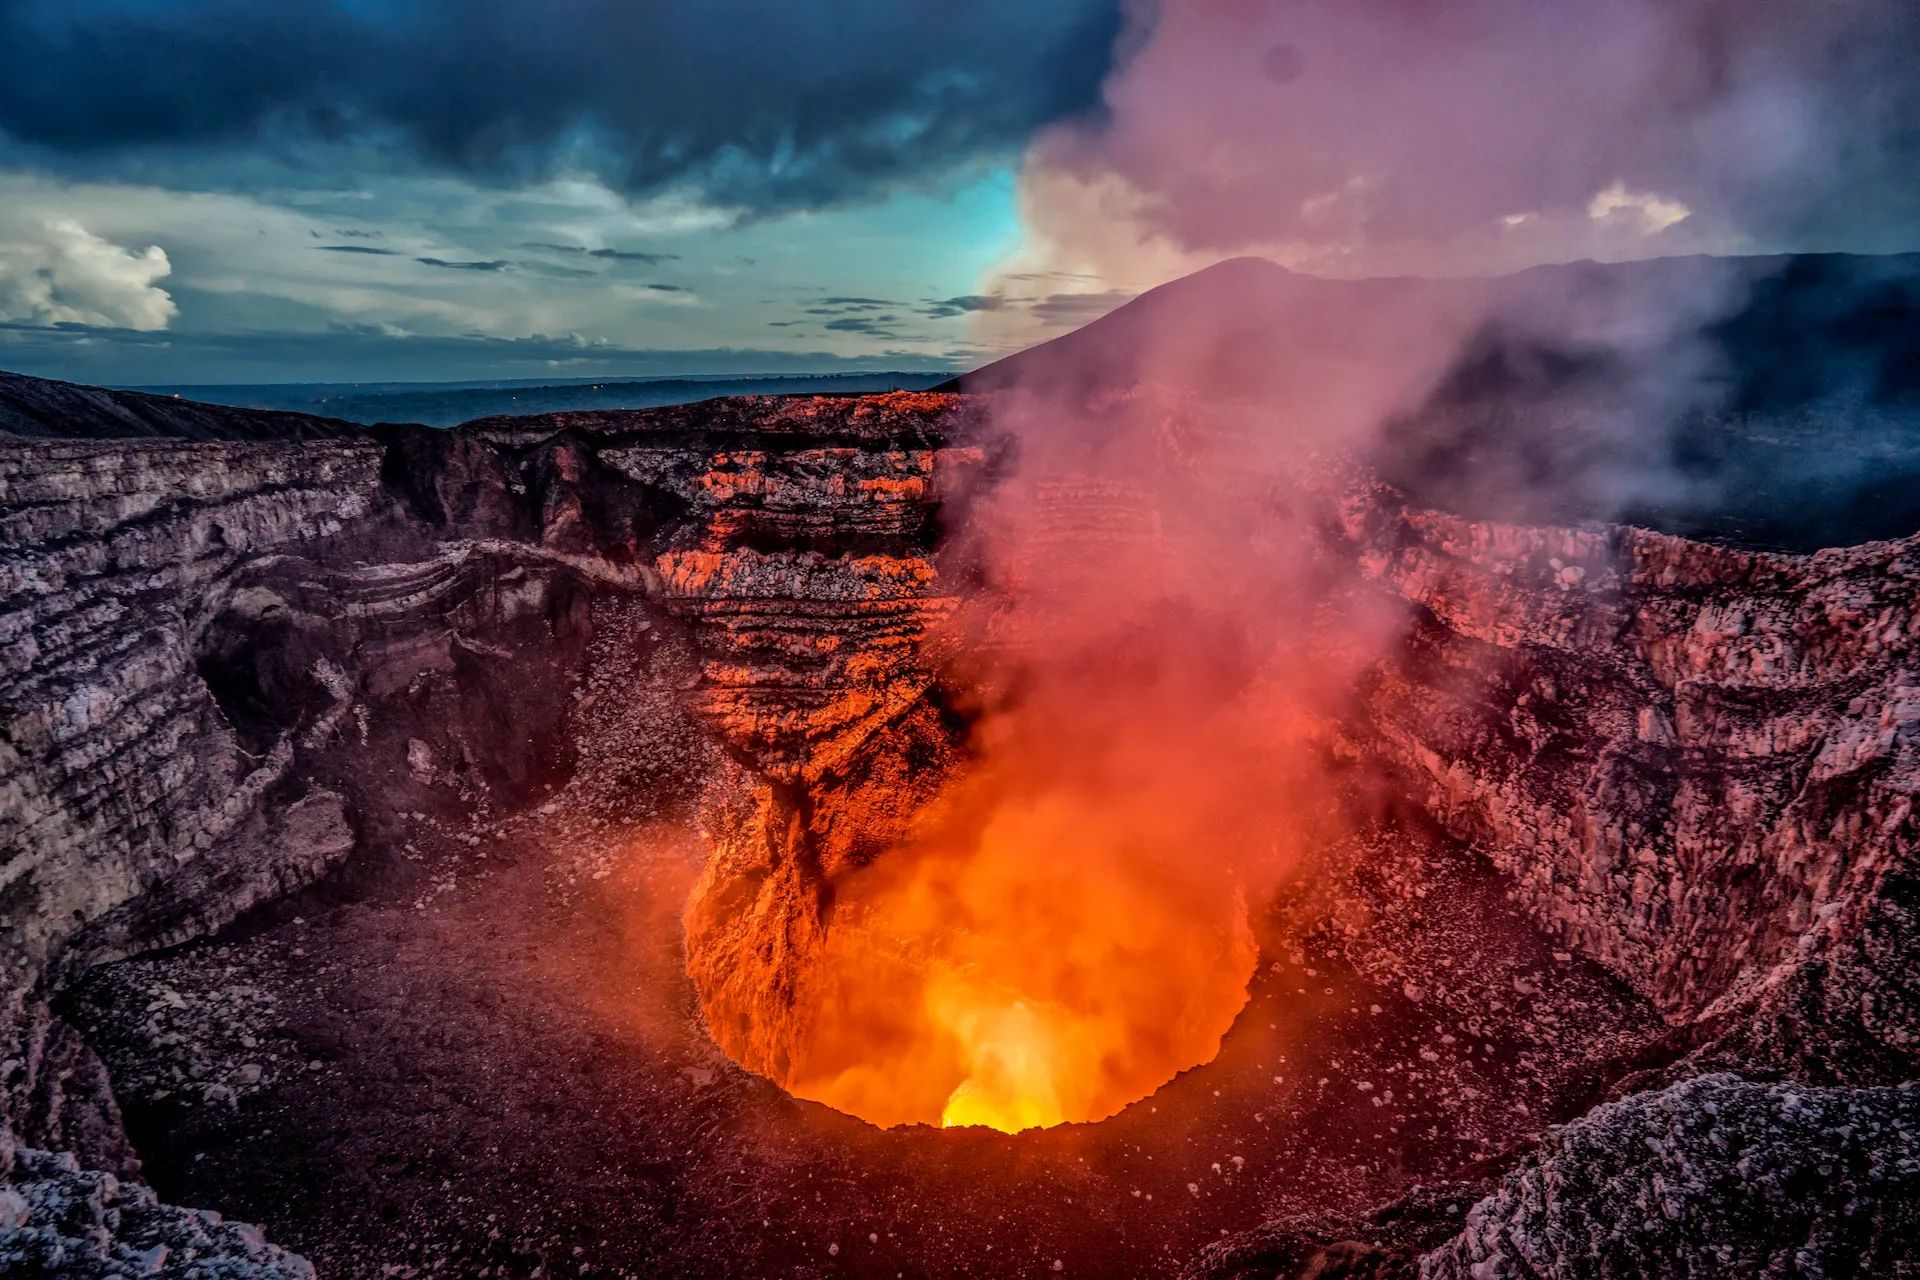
pixel 1699 764
pixel 57 1219
pixel 1715 1176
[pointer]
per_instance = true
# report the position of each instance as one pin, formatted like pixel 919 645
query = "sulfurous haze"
pixel 1154 624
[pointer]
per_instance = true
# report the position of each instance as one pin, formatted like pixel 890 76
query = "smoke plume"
pixel 1486 135
pixel 1166 614
pixel 1161 620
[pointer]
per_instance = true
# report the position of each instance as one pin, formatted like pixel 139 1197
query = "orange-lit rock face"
pixel 1029 933
pixel 1005 791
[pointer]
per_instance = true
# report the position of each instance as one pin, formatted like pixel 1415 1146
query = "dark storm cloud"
pixel 966 304
pixel 373 250
pixel 493 264
pixel 669 288
pixel 761 106
pixel 609 255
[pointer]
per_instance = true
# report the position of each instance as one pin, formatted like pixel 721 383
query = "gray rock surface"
pixel 1713 1177
pixel 58 1219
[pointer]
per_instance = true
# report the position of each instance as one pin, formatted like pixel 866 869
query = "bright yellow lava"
pixel 1011 1070
pixel 1046 965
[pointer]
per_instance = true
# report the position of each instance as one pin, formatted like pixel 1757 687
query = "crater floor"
pixel 489 1062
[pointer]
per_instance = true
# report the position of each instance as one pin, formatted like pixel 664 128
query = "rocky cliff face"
pixel 230 662
pixel 805 576
pixel 125 561
pixel 1698 764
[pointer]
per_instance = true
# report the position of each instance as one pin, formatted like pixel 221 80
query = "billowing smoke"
pixel 1485 135
pixel 1416 150
pixel 1442 142
pixel 1169 602
pixel 1162 618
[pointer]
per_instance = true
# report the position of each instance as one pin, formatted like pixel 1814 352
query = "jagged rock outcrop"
pixel 806 577
pixel 1717 1176
pixel 59 1220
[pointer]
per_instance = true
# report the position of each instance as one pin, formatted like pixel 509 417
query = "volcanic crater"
pixel 794 836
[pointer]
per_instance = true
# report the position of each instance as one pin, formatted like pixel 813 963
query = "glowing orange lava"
pixel 1053 963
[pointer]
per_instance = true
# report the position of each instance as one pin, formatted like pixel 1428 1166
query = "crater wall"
pixel 1698 764
pixel 227 659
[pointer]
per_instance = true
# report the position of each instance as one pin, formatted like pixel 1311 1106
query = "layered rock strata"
pixel 1698 764
pixel 230 662
pixel 807 579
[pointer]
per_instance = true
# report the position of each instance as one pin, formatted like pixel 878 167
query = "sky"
pixel 262 191
pixel 203 191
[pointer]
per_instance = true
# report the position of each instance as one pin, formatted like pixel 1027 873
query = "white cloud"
pixel 57 272
pixel 1655 213
pixel 266 260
